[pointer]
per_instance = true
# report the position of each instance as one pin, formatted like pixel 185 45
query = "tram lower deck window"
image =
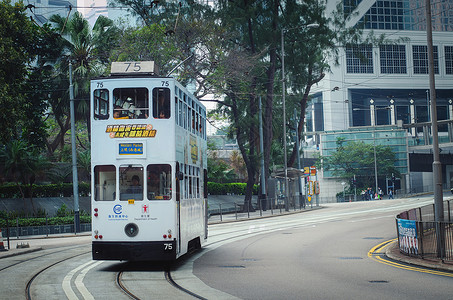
pixel 159 182
pixel 104 183
pixel 131 182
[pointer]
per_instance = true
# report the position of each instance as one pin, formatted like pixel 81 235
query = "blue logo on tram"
pixel 117 209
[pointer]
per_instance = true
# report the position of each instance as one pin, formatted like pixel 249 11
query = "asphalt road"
pixel 320 255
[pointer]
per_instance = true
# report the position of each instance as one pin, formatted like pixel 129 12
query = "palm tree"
pixel 88 50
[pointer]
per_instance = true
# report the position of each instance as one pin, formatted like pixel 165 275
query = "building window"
pixel 403 113
pixel 393 59
pixel 385 15
pixel 449 60
pixel 420 54
pixel 359 59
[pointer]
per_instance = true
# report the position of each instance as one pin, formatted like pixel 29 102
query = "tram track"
pixel 57 250
pixel 168 278
pixel 28 286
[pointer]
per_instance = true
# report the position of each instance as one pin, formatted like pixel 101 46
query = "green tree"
pixel 88 50
pixel 218 170
pixel 19 40
pixel 22 163
pixel 357 158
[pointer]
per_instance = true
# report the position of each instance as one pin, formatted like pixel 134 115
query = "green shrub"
pixel 44 191
pixel 24 222
pixel 215 188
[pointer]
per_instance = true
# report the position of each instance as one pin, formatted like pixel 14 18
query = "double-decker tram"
pixel 148 160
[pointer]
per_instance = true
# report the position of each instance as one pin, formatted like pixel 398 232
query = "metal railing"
pixel 421 236
pixel 262 207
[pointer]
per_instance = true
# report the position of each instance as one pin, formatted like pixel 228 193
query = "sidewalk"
pixel 37 243
pixel 257 214
pixel 393 252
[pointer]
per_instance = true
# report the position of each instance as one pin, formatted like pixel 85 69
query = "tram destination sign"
pixel 130 148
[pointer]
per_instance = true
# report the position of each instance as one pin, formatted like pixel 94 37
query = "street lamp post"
pixel 283 31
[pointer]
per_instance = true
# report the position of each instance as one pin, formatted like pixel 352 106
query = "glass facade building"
pixel 387 85
pixel 391 136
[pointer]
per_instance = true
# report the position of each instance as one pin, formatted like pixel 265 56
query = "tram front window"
pixel 161 103
pixel 159 182
pixel 101 104
pixel 131 103
pixel 131 182
pixel 104 183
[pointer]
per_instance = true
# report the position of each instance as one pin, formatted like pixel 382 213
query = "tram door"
pixel 178 203
pixel 205 199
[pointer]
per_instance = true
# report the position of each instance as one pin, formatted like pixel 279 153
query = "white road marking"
pixel 66 285
pixel 79 282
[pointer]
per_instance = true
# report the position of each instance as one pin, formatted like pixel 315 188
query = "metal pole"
pixel 301 196
pixel 263 173
pixel 284 121
pixel 75 180
pixel 427 104
pixel 374 148
pixel 437 167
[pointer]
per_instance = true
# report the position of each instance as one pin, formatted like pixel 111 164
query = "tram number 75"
pixel 168 246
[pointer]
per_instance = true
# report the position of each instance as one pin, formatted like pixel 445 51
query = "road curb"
pixel 15 252
pixel 393 252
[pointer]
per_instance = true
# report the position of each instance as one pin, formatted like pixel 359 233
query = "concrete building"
pixel 92 9
pixel 42 10
pixel 381 85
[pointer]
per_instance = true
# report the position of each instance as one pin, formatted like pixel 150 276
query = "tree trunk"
pixel 269 102
pixel 303 108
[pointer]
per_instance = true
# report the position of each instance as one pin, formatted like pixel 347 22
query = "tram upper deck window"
pixel 159 182
pixel 131 182
pixel 131 103
pixel 104 183
pixel 101 104
pixel 161 103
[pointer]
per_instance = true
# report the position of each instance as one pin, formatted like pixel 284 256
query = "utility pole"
pixel 263 173
pixel 75 180
pixel 299 179
pixel 437 167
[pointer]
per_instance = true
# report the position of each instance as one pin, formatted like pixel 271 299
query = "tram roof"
pixel 141 75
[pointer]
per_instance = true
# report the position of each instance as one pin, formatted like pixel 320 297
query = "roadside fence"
pixel 421 236
pixel 259 207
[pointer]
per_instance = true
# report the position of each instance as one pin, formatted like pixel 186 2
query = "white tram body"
pixel 148 163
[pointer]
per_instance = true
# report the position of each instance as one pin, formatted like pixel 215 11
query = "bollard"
pixel 220 209
pixel 2 247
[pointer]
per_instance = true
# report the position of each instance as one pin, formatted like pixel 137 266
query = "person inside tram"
pixel 153 185
pixel 163 107
pixel 135 187
pixel 117 113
